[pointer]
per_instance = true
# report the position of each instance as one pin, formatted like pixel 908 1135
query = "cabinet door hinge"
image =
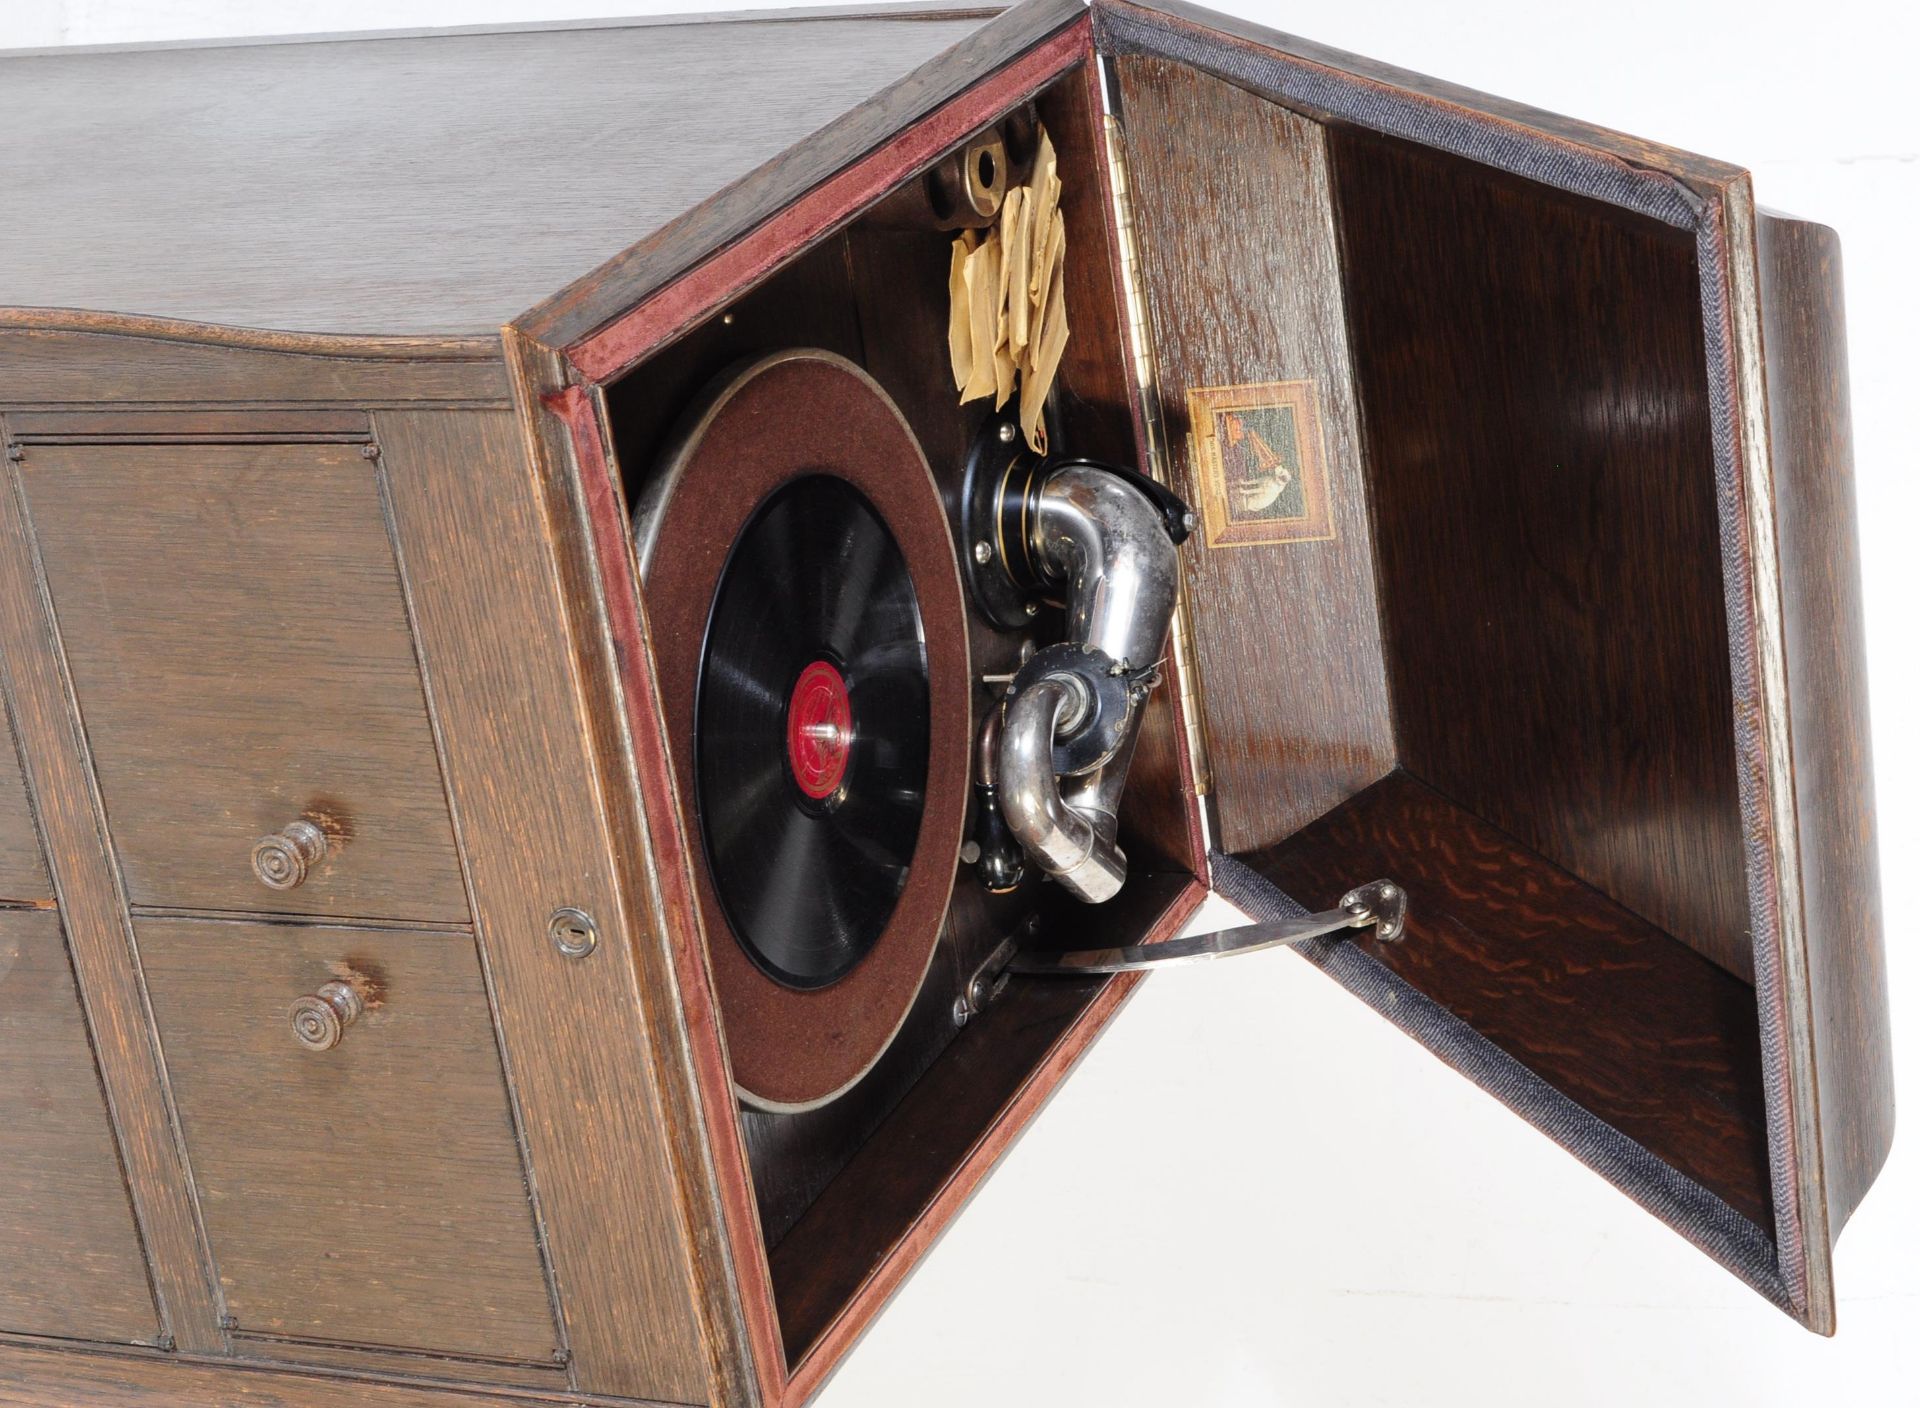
pixel 1153 427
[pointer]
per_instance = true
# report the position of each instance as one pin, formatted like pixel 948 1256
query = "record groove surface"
pixel 810 741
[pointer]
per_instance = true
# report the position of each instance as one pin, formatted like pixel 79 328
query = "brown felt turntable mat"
pixel 791 415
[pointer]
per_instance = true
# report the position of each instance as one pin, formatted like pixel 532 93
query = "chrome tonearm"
pixel 1053 757
pixel 1104 538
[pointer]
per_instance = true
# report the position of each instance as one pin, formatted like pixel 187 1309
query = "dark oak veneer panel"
pixel 1243 282
pixel 1629 1023
pixel 71 1263
pixel 1812 444
pixel 875 1201
pixel 808 303
pixel 371 1194
pixel 1531 367
pixel 253 589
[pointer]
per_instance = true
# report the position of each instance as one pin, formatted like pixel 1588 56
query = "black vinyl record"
pixel 811 731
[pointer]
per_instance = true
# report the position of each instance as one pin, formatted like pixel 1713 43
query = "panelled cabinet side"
pixel 566 434
pixel 515 725
pixel 93 910
pixel 71 1261
pixel 476 547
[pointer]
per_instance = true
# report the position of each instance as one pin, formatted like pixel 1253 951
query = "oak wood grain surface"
pixel 23 868
pixel 254 589
pixel 100 939
pixel 410 1365
pixel 495 633
pixel 574 466
pixel 117 425
pixel 33 1375
pixel 1293 695
pixel 64 358
pixel 317 215
pixel 71 1263
pixel 1628 1022
pixel 1812 447
pixel 370 1194
pixel 1531 368
pixel 1769 326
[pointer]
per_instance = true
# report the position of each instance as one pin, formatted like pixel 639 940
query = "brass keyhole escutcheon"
pixel 573 932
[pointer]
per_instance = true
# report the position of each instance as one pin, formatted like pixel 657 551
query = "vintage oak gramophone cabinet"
pixel 361 1032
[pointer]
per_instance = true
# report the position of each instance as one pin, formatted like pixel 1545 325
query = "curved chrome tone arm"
pixel 1381 903
pixel 1108 543
pixel 1077 850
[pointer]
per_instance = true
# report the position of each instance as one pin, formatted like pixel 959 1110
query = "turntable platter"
pixel 810 741
pixel 810 631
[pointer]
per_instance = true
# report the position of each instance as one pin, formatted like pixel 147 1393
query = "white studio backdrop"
pixel 1257 1192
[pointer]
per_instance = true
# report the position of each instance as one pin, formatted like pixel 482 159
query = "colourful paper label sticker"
pixel 1260 465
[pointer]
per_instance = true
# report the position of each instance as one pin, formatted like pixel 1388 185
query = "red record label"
pixel 819 730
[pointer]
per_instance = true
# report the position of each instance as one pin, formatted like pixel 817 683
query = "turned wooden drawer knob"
pixel 320 1018
pixel 281 860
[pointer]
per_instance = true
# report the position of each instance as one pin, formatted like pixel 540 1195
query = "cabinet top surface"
pixel 426 184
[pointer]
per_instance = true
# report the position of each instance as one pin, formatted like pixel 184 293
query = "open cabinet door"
pixel 1526 577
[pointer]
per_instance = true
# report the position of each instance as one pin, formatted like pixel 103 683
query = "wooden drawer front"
pixel 233 621
pixel 370 1194
pixel 70 1259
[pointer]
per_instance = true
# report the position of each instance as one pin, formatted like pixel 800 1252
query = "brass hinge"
pixel 1139 331
pixel 1153 421
pixel 1186 664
